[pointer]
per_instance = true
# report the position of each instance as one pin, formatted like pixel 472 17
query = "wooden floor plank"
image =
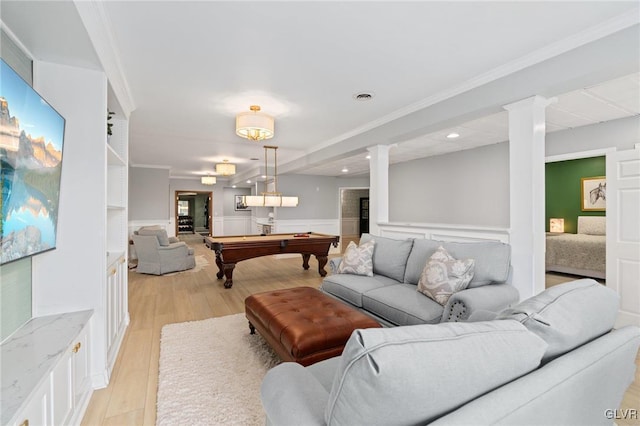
pixel 130 398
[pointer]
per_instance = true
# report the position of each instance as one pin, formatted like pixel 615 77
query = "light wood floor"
pixel 130 398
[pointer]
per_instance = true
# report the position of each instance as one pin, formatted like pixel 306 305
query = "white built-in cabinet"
pixel 48 363
pixel 116 306
pixel 115 291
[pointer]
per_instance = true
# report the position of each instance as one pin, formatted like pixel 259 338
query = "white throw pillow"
pixel 357 260
pixel 443 275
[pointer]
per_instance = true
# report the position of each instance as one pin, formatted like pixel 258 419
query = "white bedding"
pixel 579 254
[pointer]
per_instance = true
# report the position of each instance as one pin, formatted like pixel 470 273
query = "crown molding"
pixel 149 166
pixel 96 22
pixel 601 30
pixel 16 40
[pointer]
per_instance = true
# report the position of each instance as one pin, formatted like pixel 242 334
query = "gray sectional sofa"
pixel 391 296
pixel 551 360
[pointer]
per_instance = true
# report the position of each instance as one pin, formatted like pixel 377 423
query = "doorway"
pixel 193 212
pixel 566 177
pixel 354 215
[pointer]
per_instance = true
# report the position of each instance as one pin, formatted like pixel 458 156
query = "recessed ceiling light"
pixel 263 176
pixel 233 186
pixel 368 157
pixel 363 96
pixel 345 170
pixel 453 135
pixel 248 180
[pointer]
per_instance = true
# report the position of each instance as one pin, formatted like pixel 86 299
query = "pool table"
pixel 231 250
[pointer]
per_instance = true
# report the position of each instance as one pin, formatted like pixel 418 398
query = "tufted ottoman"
pixel 303 324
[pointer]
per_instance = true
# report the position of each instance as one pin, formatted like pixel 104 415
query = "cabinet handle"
pixel 112 272
pixel 25 422
pixel 76 348
pixel 122 260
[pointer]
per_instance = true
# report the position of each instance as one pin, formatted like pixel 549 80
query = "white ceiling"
pixel 606 101
pixel 189 67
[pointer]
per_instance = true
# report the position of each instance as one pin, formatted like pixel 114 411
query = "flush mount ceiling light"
pixel 254 125
pixel 270 198
pixel 225 168
pixel 453 135
pixel 208 180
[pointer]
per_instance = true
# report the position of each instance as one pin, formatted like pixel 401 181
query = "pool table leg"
pixel 322 261
pixel 228 272
pixel 305 260
pixel 220 273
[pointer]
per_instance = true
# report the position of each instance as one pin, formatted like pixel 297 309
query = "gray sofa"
pixel 551 360
pixel 391 296
pixel 160 254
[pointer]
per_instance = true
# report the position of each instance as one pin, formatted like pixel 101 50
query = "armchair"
pixel 158 254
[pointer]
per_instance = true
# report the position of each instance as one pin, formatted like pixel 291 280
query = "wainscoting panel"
pixel 350 226
pixel 236 225
pixel 218 225
pixel 321 226
pixel 444 232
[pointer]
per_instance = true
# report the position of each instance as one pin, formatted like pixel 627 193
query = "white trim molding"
pixel 322 226
pixel 96 21
pixel 444 232
pixel 577 155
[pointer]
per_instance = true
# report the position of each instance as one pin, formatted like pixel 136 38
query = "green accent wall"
pixel 563 194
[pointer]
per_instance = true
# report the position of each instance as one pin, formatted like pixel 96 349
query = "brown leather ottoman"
pixel 303 324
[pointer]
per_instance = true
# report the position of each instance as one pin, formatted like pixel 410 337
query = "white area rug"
pixel 201 262
pixel 210 373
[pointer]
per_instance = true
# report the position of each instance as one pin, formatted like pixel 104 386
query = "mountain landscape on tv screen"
pixel 30 168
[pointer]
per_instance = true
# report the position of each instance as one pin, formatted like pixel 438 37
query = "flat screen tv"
pixel 31 139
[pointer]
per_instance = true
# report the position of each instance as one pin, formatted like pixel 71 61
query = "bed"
pixel 583 253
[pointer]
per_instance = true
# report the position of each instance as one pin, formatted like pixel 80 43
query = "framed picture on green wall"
pixel 594 194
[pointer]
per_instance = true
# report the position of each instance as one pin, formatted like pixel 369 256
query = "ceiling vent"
pixel 364 96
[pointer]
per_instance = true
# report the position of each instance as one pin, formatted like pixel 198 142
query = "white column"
pixel 527 193
pixel 378 187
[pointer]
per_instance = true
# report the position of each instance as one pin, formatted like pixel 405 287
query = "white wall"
pixel 148 194
pixel 319 196
pixel 467 187
pixel 622 134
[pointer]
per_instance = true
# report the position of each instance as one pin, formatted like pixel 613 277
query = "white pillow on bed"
pixel 592 225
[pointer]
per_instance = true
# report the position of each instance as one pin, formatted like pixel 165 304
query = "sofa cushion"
pixel 421 251
pixel 401 304
pixel 351 287
pixel 413 375
pixel 492 259
pixel 357 260
pixel 567 315
pixel 443 275
pixel 389 256
pixel 157 231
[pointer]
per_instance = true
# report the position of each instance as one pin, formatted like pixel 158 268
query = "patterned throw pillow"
pixel 357 260
pixel 443 275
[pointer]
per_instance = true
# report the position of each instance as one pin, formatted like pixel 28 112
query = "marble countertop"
pixel 31 353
